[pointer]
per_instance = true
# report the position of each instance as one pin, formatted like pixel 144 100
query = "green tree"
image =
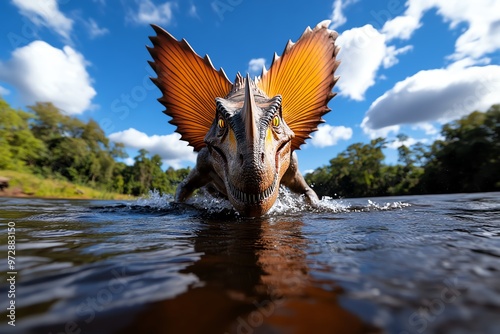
pixel 403 179
pixel 18 146
pixel 77 151
pixel 355 172
pixel 468 158
pixel 174 177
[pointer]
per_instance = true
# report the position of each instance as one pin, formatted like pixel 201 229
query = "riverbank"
pixel 23 184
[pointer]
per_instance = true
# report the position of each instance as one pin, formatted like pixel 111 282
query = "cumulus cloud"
pixel 46 13
pixel 428 128
pixel 435 95
pixel 482 35
pixel 43 73
pixel 170 148
pixel 148 13
pixel 401 27
pixel 328 135
pixel 445 94
pixel 363 51
pixel 383 132
pixel 256 65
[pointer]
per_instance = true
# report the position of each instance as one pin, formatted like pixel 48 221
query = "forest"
pixel 466 159
pixel 44 141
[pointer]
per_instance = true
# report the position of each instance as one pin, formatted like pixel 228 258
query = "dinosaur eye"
pixel 276 121
pixel 221 123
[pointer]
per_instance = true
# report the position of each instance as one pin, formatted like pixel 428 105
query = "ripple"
pixel 383 260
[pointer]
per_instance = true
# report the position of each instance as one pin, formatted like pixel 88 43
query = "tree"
pixel 468 159
pixel 77 151
pixel 18 146
pixel 403 179
pixel 355 172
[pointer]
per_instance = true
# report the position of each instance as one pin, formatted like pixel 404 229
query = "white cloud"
pixel 401 27
pixel 256 65
pixel 307 171
pixel 390 58
pixel 436 95
pixel 46 13
pixel 440 95
pixel 338 18
pixel 43 73
pixel 408 142
pixel 169 147
pixel 428 128
pixel 383 132
pixel 328 135
pixel 129 161
pixel 4 91
pixel 482 35
pixel 149 13
pixel 363 51
pixel 95 30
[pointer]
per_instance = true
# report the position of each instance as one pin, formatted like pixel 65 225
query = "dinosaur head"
pixel 250 144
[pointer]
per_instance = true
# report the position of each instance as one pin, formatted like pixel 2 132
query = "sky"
pixel 407 67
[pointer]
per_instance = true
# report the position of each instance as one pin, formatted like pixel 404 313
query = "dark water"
pixel 423 264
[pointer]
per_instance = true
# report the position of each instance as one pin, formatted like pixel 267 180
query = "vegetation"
pixel 467 159
pixel 26 184
pixel 48 150
pixel 55 147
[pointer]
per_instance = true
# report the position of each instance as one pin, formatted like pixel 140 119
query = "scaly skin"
pixel 248 153
pixel 246 132
pixel 204 174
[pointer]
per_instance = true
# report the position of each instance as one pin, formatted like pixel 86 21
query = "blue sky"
pixel 407 66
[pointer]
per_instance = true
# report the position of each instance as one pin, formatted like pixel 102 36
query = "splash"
pixel 373 206
pixel 155 200
pixel 210 204
pixel 291 203
pixel 287 203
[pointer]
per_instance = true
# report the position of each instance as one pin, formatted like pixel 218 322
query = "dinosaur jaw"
pixel 251 184
pixel 251 203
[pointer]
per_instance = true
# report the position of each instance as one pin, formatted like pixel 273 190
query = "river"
pixel 416 264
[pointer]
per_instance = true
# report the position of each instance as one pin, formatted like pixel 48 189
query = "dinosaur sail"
pixel 189 85
pixel 304 77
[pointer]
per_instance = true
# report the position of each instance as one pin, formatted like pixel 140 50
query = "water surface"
pixel 421 264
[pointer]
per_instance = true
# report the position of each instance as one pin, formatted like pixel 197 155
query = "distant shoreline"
pixel 26 185
pixel 16 192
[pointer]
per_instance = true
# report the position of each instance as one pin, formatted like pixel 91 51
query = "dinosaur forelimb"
pixel 294 180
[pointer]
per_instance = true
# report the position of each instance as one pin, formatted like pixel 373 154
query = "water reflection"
pixel 254 278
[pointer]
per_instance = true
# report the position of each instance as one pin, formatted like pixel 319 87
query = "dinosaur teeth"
pixel 252 198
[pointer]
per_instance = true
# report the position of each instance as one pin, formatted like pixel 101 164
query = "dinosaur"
pixel 246 132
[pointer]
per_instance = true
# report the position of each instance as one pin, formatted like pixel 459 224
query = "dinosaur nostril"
pixel 262 157
pixel 241 159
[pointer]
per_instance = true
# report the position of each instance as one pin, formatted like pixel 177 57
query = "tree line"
pixel 46 142
pixel 466 159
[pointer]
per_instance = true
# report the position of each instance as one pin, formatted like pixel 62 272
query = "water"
pixel 422 264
